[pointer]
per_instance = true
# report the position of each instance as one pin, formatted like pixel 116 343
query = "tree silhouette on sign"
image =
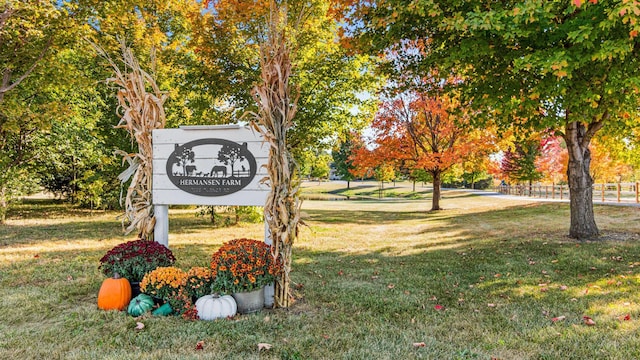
pixel 229 155
pixel 185 155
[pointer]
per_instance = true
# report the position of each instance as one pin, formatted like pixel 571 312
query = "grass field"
pixel 485 278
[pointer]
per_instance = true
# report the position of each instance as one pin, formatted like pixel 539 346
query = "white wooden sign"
pixel 209 165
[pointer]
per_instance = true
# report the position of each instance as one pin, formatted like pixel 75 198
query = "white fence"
pixel 611 192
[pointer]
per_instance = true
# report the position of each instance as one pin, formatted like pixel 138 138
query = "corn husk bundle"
pixel 277 109
pixel 140 107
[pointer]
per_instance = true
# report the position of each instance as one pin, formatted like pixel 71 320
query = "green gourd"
pixel 163 310
pixel 140 305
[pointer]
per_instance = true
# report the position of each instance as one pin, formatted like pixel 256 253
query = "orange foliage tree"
pixel 419 132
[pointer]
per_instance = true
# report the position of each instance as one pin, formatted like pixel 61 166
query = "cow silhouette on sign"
pixel 219 169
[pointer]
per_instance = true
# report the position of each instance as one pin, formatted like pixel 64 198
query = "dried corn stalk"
pixel 140 112
pixel 275 116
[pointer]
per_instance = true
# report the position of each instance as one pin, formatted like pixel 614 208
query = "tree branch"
pixel 6 14
pixel 7 73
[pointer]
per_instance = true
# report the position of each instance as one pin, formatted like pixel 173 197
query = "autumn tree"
pixel 552 160
pixel 609 165
pixel 569 66
pixel 420 130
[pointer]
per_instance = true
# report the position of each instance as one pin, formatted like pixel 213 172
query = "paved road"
pixel 527 198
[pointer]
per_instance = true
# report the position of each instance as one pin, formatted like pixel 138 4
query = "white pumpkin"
pixel 212 307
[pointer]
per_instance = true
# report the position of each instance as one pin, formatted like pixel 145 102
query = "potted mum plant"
pixel 243 267
pixel 133 259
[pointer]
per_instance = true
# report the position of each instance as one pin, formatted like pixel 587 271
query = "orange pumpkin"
pixel 114 294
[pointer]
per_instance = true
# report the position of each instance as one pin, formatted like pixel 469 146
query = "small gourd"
pixel 140 305
pixel 114 294
pixel 212 307
pixel 163 310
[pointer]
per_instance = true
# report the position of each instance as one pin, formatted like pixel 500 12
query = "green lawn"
pixel 484 278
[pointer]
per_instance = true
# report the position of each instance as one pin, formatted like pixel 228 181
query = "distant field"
pixel 373 279
pixel 337 190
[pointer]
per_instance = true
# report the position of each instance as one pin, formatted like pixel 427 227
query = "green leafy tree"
pixel 342 160
pixel 333 82
pixel 519 162
pixel 320 168
pixel 569 66
pixel 36 41
pixel 385 172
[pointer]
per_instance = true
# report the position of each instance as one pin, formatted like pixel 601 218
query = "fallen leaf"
pixel 439 307
pixel 588 321
pixel 564 287
pixel 139 326
pixel 406 292
pixel 340 273
pixel 267 318
pixel 264 346
pixel 419 344
pixel 325 336
pixel 627 317
pixel 199 345
pixel 491 305
pixel 627 304
pixel 559 318
pixel 36 256
pixel 433 298
pixel 69 278
pixel 391 286
pixel 544 289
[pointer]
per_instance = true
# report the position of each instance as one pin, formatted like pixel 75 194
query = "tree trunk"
pixel 348 184
pixel 435 203
pixel 583 224
pixel 3 206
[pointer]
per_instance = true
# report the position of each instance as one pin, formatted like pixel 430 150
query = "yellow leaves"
pixel 559 69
